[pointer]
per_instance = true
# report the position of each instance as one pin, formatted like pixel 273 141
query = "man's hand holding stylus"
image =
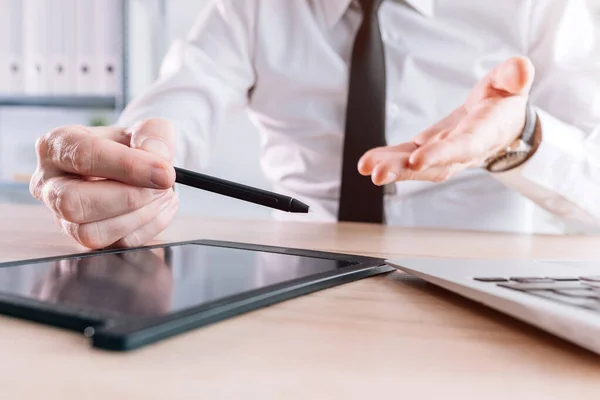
pixel 106 185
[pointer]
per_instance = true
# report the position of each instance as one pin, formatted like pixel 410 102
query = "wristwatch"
pixel 521 149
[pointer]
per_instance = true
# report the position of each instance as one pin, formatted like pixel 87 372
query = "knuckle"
pixel 61 146
pixel 49 194
pixel 72 230
pixel 52 136
pixel 45 144
pixel 51 142
pixel 69 204
pixel 41 146
pixel 89 235
pixel 81 156
pixel 36 184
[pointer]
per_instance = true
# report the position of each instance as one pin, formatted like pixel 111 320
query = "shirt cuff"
pixel 551 176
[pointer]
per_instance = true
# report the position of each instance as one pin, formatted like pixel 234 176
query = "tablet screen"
pixel 154 282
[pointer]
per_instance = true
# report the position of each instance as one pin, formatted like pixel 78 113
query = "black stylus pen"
pixel 239 191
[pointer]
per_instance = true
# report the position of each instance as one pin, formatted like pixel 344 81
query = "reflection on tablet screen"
pixel 151 282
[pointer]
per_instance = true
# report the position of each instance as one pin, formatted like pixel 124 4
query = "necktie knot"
pixel 369 7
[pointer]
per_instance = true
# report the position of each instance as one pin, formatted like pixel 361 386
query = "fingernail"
pixel 159 177
pixel 389 178
pixel 156 146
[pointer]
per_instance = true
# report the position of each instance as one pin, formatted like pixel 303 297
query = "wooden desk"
pixel 391 335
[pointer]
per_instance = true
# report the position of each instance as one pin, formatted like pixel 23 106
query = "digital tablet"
pixel 127 298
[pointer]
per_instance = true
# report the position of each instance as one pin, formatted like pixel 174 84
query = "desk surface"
pixel 390 334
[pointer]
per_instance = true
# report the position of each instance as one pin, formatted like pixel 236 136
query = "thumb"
pixel 514 76
pixel 155 136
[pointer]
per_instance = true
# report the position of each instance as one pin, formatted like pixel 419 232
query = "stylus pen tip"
pixel 296 206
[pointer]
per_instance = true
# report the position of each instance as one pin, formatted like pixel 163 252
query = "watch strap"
pixel 528 133
pixel 520 150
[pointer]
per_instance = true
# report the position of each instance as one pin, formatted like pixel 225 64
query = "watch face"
pixel 507 161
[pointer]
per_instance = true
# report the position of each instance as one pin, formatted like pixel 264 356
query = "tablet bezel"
pixel 112 331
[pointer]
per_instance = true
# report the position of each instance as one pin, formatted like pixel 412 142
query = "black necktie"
pixel 360 199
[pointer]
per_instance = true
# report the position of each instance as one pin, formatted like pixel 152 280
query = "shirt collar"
pixel 335 9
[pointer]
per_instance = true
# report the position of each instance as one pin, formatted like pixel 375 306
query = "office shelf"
pixel 119 100
pixel 116 102
pixel 105 102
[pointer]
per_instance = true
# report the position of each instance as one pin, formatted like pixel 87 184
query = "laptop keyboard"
pixel 582 291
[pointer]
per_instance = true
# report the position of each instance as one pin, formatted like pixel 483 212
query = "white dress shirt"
pixel 287 63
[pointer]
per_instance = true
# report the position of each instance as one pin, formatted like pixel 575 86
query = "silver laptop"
pixel 560 297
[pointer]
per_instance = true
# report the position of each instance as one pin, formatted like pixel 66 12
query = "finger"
pixel 445 125
pixel 394 169
pixel 43 143
pixel 114 133
pixel 96 235
pixel 155 136
pixel 514 76
pixel 456 149
pixel 149 231
pixel 368 161
pixel 123 135
pixel 441 135
pixel 437 174
pixel 482 132
pixel 75 151
pixel 79 201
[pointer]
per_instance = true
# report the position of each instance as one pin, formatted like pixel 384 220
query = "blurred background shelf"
pixel 98 102
pixel 16 193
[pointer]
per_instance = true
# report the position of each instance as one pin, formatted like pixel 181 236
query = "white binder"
pixel 11 47
pixel 61 52
pixel 108 43
pixel 87 57
pixel 4 46
pixel 35 47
